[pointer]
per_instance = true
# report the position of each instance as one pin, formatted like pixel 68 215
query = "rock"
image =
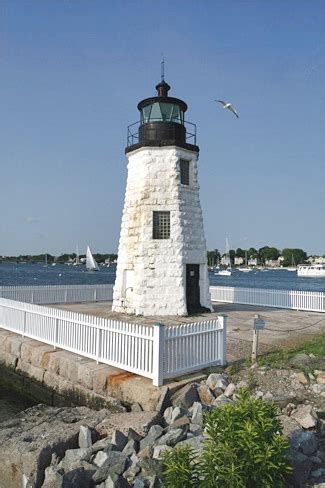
pixel 197 414
pixel 132 434
pixel 116 463
pixel 181 423
pixel 195 442
pixel 164 400
pixel 320 377
pixel 53 478
pixel 318 389
pixel 230 390
pixel 284 399
pixel 205 394
pixel 150 468
pixel 119 440
pixel 289 425
pixel 73 455
pixel 196 429
pixel 139 483
pixel 131 447
pixel 103 445
pixel 173 413
pixel 116 481
pixel 301 377
pixel 145 453
pixel 154 433
pixel 131 472
pixel 186 396
pixel 268 397
pixel 217 380
pixel 136 407
pixel 159 449
pixel 172 437
pixel 305 441
pixel 84 438
pixel 221 400
pixel 305 416
pixel 76 477
pixel 318 473
pixel 100 458
pixel 300 359
pixel 301 467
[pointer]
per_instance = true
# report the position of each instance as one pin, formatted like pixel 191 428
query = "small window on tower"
pixel 185 172
pixel 161 225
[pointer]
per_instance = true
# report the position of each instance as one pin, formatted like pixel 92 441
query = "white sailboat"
pixel 293 266
pixel 91 264
pixel 77 260
pixel 226 271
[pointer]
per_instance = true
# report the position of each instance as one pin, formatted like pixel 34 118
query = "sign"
pixel 259 323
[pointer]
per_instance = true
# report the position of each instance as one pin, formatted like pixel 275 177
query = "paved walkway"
pixel 283 327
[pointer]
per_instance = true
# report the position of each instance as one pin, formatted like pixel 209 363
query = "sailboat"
pixel 91 264
pixel 293 266
pixel 226 271
pixel 77 261
pixel 246 268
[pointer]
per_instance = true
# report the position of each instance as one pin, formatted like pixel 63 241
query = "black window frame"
pixel 161 224
pixel 184 170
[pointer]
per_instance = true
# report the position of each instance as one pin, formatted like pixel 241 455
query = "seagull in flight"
pixel 229 107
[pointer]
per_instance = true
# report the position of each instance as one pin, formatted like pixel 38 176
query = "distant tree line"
pixel 49 258
pixel 291 256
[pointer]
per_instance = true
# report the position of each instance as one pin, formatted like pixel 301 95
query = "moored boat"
pixel 312 271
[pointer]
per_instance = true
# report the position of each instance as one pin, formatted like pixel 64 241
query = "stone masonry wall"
pixel 58 377
pixel 151 273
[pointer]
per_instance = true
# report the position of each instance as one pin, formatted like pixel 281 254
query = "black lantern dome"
pixel 162 123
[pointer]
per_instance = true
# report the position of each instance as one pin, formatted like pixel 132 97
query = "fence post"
pixel 24 324
pixel 56 331
pixel 98 344
pixel 222 319
pixel 158 353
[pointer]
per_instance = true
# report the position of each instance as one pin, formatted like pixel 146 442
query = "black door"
pixel 193 288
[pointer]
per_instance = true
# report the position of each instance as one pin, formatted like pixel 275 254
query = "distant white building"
pixel 238 261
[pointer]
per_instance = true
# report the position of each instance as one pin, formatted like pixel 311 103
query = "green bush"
pixel 244 448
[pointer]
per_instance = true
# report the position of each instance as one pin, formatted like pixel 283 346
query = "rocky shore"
pixel 52 447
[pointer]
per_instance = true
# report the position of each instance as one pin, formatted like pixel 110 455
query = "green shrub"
pixel 179 467
pixel 244 448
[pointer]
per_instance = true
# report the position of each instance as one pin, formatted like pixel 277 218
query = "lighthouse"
pixel 162 255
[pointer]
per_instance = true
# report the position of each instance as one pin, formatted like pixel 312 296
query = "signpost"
pixel 259 324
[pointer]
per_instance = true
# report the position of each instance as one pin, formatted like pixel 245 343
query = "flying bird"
pixel 229 107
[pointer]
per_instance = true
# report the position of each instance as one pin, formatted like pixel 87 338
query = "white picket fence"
pixel 156 351
pixel 49 294
pixel 291 299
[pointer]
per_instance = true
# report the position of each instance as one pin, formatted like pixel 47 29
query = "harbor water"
pixel 12 274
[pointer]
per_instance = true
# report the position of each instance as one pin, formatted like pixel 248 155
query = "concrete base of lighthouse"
pixel 161 276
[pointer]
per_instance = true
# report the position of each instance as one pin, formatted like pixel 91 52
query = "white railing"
pixel 46 294
pixel 156 351
pixel 292 299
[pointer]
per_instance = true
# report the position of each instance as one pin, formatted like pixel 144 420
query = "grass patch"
pixel 315 346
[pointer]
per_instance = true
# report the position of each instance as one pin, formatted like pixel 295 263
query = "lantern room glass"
pixel 162 112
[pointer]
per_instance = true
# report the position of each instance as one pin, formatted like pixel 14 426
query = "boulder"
pixel 116 481
pixel 131 447
pixel 154 433
pixel 300 359
pixel 116 463
pixel 230 390
pixel 304 441
pixel 159 449
pixel 172 437
pixel 221 400
pixel 186 396
pixel 205 394
pixel 217 380
pixel 301 377
pixel 72 455
pixel 320 377
pixel 84 438
pixel 197 414
pixel 119 440
pixel 181 423
pixel 302 465
pixel 305 416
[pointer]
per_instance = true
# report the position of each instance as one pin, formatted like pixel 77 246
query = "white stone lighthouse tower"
pixel 162 255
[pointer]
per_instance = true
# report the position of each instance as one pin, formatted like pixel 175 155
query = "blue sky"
pixel 73 71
